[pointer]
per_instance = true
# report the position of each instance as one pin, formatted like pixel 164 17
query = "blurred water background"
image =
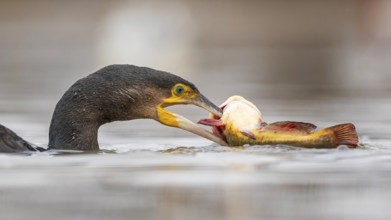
pixel 324 62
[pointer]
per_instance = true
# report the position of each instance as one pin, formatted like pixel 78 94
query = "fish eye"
pixel 179 90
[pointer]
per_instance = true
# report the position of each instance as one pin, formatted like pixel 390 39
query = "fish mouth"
pixel 216 124
pixel 218 130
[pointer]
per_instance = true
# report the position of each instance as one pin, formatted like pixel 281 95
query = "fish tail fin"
pixel 345 134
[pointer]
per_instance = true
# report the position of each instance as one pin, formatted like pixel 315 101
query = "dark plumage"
pixel 10 142
pixel 113 93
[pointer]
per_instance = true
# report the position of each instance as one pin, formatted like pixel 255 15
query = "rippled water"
pixel 199 183
pixel 147 171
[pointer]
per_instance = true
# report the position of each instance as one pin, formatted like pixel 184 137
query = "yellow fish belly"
pixel 332 137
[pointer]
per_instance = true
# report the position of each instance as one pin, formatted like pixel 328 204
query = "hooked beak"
pixel 204 103
pixel 174 120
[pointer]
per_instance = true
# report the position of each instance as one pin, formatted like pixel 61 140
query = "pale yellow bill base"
pixel 190 126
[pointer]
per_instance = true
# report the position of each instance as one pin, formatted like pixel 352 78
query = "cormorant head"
pixel 161 89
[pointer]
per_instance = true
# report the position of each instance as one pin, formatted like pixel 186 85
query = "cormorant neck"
pixel 77 118
pixel 74 131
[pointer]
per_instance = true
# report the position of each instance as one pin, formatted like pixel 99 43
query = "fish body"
pixel 242 123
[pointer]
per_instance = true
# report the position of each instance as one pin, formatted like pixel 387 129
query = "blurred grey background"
pixel 305 55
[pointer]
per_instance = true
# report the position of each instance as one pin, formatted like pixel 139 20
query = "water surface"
pixel 146 171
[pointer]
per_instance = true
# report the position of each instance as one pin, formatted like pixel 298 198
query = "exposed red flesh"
pixel 217 125
pixel 211 122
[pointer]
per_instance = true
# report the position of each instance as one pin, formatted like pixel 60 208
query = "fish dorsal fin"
pixel 290 127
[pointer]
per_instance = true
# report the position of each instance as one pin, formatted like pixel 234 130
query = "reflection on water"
pixel 292 59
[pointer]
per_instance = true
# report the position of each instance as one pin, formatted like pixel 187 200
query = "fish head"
pixel 239 115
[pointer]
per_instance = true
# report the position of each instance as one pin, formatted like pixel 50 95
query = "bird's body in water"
pixel 115 93
pixel 242 123
pixel 11 142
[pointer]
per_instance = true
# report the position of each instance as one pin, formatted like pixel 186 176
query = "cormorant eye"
pixel 179 90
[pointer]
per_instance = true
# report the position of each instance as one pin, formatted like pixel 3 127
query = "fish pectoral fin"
pixel 211 122
pixel 248 134
pixel 290 127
